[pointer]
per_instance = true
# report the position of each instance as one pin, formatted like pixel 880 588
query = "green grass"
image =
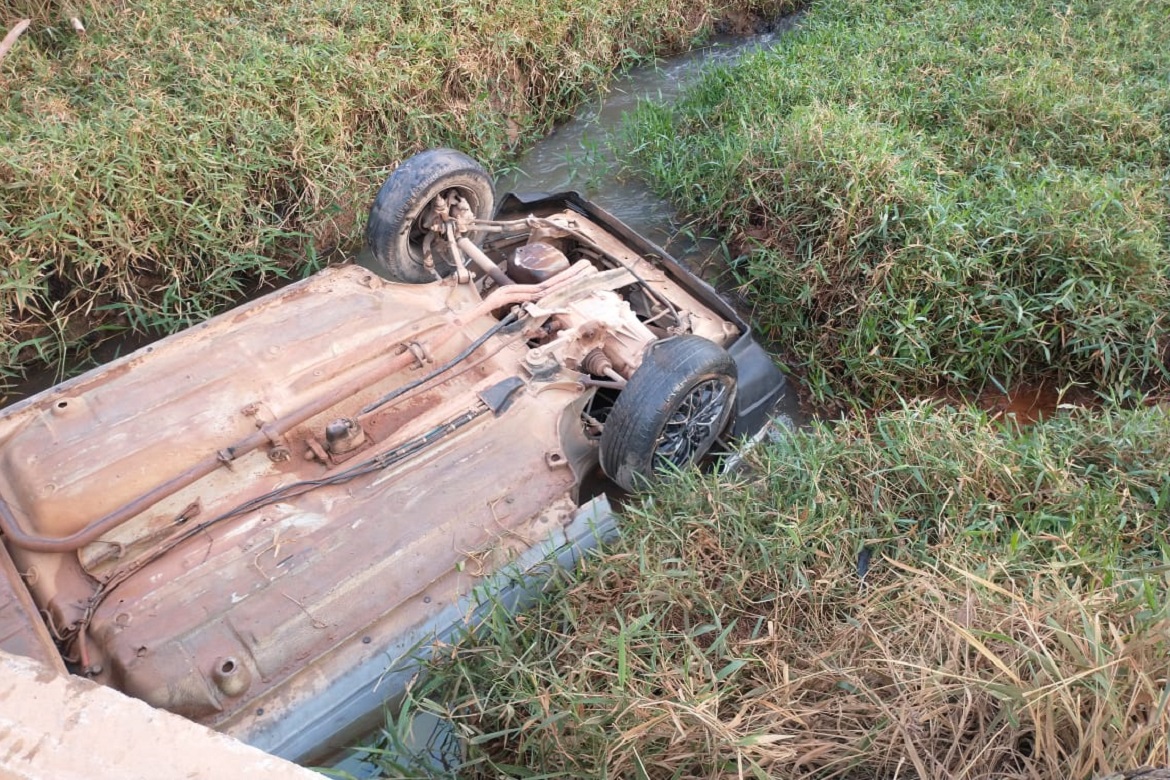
pixel 925 197
pixel 1013 621
pixel 179 154
pixel 930 194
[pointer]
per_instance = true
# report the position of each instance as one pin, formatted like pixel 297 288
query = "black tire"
pixel 671 412
pixel 395 233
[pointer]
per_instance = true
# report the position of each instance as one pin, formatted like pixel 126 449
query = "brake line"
pixel 399 391
pixel 467 365
pixel 377 463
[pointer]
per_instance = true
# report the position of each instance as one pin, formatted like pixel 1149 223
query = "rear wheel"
pixel 399 231
pixel 671 412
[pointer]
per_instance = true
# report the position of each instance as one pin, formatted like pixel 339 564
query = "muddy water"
pixel 586 153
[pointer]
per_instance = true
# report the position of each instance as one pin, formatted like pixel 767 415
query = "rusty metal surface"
pixel 350 687
pixel 130 429
pixel 277 591
pixel 222 523
pixel 21 629
pixel 234 612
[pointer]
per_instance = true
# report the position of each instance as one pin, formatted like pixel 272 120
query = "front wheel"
pixel 671 412
pixel 399 231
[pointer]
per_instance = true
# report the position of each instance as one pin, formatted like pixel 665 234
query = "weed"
pixel 588 166
pixel 1012 620
pixel 941 194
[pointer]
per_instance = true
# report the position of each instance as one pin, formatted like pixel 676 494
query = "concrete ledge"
pixel 62 727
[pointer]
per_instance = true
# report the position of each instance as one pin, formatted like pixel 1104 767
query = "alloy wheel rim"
pixel 694 424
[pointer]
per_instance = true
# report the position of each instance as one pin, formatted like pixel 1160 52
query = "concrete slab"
pixel 62 727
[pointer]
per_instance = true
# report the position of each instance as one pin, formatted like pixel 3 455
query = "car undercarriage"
pixel 229 522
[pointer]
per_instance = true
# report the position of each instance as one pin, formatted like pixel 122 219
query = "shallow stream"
pixel 586 153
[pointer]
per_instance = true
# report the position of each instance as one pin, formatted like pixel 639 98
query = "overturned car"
pixel 249 522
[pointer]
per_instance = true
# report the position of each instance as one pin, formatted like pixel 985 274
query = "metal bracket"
pixel 420 354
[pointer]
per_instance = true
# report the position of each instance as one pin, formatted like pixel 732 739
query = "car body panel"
pixel 195 534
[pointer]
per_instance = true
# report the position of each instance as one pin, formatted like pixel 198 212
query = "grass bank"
pixel 924 196
pixel 162 164
pixel 930 596
pixel 932 194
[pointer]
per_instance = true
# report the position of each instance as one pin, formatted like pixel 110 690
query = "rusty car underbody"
pixel 247 522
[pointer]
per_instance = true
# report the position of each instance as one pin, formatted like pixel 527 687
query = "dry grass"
pixel 1012 621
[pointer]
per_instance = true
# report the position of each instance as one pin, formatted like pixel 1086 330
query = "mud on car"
pixel 249 522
